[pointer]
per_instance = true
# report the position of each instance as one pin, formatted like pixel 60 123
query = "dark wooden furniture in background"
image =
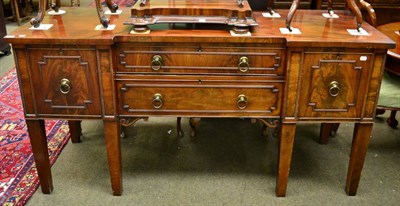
pixel 386 10
pixel 21 10
pixel 321 75
pixel 5 48
pixel 392 30
pixel 392 65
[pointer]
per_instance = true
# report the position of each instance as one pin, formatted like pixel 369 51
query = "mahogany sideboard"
pixel 72 71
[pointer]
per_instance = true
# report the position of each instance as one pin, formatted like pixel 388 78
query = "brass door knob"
pixel 334 88
pixel 243 65
pixel 65 87
pixel 241 101
pixel 156 62
pixel 157 101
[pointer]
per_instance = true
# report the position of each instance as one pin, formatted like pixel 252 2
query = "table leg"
pixel 361 137
pixel 75 130
pixel 327 130
pixel 113 145
pixel 286 140
pixel 37 135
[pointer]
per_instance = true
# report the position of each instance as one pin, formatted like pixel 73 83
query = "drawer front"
pixel 65 81
pixel 205 99
pixel 196 59
pixel 334 85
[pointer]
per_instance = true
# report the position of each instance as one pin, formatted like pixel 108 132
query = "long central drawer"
pixel 200 59
pixel 199 97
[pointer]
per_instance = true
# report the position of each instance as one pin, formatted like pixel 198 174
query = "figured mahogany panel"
pixel 333 84
pixel 201 59
pixel 199 97
pixel 65 81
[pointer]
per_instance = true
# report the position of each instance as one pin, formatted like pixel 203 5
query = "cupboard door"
pixel 65 81
pixel 333 85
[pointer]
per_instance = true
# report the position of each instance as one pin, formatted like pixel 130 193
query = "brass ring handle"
pixel 243 65
pixel 334 88
pixel 156 62
pixel 241 101
pixel 157 101
pixel 65 87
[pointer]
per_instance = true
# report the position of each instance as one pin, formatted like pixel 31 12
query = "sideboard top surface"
pixel 77 27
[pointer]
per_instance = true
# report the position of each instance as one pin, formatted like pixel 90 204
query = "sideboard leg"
pixel 327 130
pixel 325 133
pixel 75 130
pixel 37 135
pixel 113 146
pixel 286 140
pixel 361 137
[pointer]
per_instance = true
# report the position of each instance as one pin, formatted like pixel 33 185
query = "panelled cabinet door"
pixel 334 85
pixel 65 81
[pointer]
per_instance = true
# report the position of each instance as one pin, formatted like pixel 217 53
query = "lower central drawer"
pixel 201 98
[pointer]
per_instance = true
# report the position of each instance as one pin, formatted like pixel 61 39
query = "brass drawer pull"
pixel 156 62
pixel 157 101
pixel 241 101
pixel 243 65
pixel 334 88
pixel 65 87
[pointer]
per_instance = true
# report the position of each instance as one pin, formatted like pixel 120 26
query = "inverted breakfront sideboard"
pixel 72 71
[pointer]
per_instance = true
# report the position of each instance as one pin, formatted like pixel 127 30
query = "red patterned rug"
pixel 18 176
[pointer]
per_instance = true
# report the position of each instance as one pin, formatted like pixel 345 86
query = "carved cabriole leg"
pixel 35 21
pixel 371 12
pixel 270 7
pixel 75 130
pixel 100 13
pixel 292 11
pixel 379 111
pixel 356 11
pixel 179 127
pixel 113 145
pixel 286 140
pixel 55 5
pixel 392 122
pixel 193 121
pixel 37 135
pixel 361 137
pixel 112 6
pixel 330 6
